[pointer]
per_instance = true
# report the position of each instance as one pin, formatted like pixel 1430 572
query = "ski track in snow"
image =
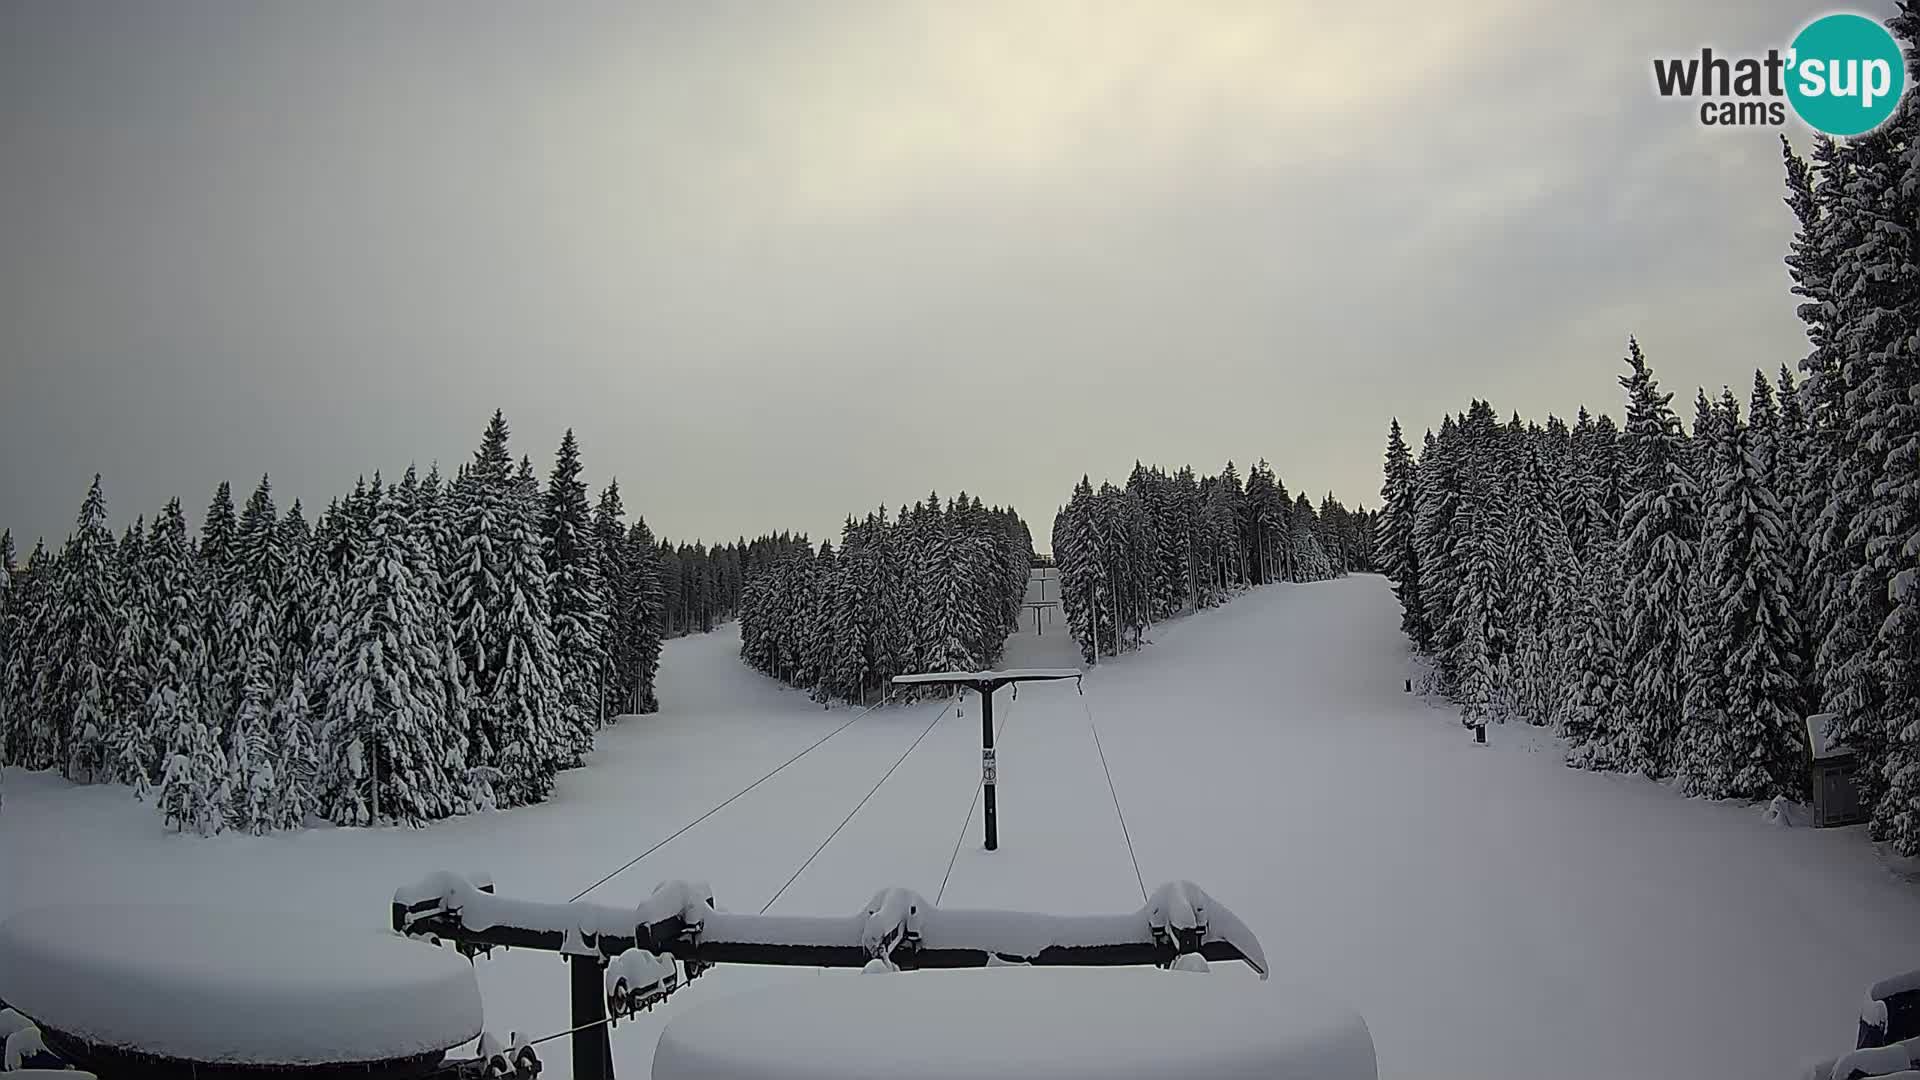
pixel 1491 913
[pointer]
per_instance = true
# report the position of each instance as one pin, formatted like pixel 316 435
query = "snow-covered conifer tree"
pixel 1439 500
pixel 385 720
pixel 524 699
pixel 1593 719
pixel 1702 756
pixel 223 655
pixel 1399 559
pixel 644 625
pixel 1751 564
pixel 577 601
pixel 131 746
pixel 1659 528
pixel 86 620
pixel 251 781
pixel 296 759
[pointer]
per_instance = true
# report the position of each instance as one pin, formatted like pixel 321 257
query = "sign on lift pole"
pixel 985 683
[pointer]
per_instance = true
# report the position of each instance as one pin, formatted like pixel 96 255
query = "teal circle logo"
pixel 1846 74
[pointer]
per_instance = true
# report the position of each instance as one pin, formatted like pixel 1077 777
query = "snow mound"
pixel 1038 1023
pixel 234 987
pixel 1784 812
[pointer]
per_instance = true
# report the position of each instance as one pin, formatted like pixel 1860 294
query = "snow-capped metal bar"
pixel 622 959
pixel 897 925
pixel 998 677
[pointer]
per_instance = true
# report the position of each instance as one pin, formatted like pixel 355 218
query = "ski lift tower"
pixel 985 683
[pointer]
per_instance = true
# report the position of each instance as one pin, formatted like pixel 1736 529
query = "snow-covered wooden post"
pixel 985 683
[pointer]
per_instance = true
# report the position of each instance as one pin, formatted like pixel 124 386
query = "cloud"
pixel 778 263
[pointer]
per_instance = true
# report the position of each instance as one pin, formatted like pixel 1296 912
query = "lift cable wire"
pixel 1117 812
pixel 589 1026
pixel 858 805
pixel 967 822
pixel 689 825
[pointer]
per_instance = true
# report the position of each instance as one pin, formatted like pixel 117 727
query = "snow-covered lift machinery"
pixel 985 683
pixel 622 959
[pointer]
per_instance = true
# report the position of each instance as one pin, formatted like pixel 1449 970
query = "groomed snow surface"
pixel 1489 912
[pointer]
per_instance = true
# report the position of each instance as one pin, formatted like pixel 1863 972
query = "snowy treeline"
pixel 933 590
pixel 1677 602
pixel 1163 544
pixel 422 649
pixel 1636 588
pixel 701 585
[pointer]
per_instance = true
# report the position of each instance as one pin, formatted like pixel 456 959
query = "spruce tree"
pixel 8 710
pixel 852 661
pixel 131 750
pixel 385 722
pixel 644 621
pixel 1399 557
pixel 1659 527
pixel 193 791
pixel 1477 636
pixel 1593 726
pixel 296 761
pixel 336 546
pixel 251 780
pixel 1752 566
pixel 524 702
pixel 298 592
pixel 577 604
pixel 617 599
pixel 31 667
pixel 823 656
pixel 1896 816
pixel 1537 578
pixel 260 557
pixel 223 655
pixel 1478 692
pixel 171 601
pixel 1702 756
pixel 1862 318
pixel 483 518
pixel 1438 503
pixel 1314 562
pixel 86 621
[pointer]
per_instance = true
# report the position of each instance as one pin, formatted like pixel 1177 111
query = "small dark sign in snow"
pixel 234 987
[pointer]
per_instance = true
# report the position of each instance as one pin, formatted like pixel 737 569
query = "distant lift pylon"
pixel 985 683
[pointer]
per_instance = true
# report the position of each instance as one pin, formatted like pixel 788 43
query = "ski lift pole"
pixel 985 683
pixel 987 768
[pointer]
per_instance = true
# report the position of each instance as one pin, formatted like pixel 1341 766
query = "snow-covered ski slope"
pixel 1491 913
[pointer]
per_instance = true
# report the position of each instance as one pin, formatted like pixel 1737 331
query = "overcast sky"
pixel 775 262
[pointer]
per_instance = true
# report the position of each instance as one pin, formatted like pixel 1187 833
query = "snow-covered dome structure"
pixel 168 989
pixel 1034 1023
